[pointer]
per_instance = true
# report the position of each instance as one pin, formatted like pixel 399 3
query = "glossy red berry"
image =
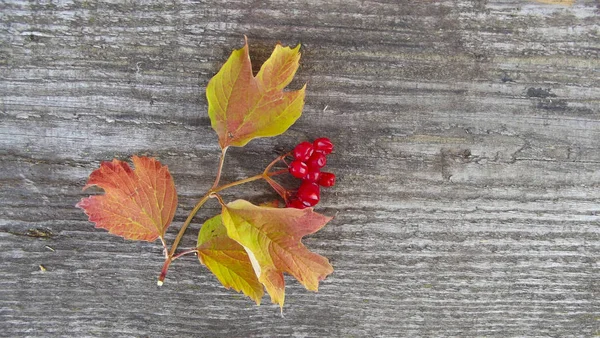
pixel 298 169
pixel 323 145
pixel 296 203
pixel 303 151
pixel 312 175
pixel 316 161
pixel 327 179
pixel 309 193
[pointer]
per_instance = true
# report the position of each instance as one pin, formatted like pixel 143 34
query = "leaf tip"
pixel 297 48
pixel 84 203
pixel 246 48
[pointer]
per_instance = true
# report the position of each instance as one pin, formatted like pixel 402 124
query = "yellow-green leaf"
pixel 242 107
pixel 272 238
pixel 227 260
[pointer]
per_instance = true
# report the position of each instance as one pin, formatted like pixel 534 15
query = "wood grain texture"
pixel 467 135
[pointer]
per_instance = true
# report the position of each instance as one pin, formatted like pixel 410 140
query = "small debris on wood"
pixel 39 233
pixel 35 233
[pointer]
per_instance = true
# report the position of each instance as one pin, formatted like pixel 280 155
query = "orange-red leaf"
pixel 272 239
pixel 242 107
pixel 137 204
pixel 227 260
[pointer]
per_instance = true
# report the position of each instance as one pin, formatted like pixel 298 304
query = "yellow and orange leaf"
pixel 242 107
pixel 272 239
pixel 227 260
pixel 137 204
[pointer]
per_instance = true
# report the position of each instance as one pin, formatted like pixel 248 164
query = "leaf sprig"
pixel 247 247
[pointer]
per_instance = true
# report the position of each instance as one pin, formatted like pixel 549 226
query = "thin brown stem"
pixel 185 252
pixel 278 172
pixel 187 222
pixel 277 187
pixel 218 197
pixel 247 180
pixel 233 184
pixel 210 193
pixel 165 248
pixel 220 170
pixel 280 158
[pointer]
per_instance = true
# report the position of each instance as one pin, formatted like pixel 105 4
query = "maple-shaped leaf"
pixel 227 259
pixel 137 204
pixel 272 239
pixel 242 107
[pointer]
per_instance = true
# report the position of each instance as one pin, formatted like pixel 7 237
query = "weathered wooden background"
pixel 468 163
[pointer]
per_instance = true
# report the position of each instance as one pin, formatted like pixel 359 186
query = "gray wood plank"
pixel 467 135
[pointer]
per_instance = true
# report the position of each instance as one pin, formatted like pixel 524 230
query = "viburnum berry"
pixel 316 161
pixel 313 175
pixel 298 169
pixel 309 158
pixel 296 203
pixel 303 151
pixel 309 193
pixel 323 145
pixel 326 179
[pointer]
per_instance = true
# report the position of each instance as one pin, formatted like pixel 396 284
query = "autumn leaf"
pixel 272 239
pixel 227 260
pixel 137 204
pixel 242 107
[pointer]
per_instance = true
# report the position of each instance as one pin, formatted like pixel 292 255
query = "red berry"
pixel 296 203
pixel 309 193
pixel 327 179
pixel 298 169
pixel 323 145
pixel 303 151
pixel 316 161
pixel 312 175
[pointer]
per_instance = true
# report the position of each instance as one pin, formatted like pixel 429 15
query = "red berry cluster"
pixel 309 158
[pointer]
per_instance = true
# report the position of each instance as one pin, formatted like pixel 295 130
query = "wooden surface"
pixel 468 163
